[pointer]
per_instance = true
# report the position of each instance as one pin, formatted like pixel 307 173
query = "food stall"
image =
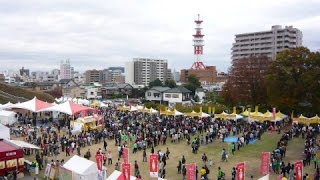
pixel 86 123
pixel 11 158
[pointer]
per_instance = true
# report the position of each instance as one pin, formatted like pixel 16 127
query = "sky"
pixel 96 34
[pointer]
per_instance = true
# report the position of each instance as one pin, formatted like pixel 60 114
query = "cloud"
pixel 37 34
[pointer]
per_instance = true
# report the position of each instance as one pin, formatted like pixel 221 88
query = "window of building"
pixel 167 95
pixel 175 95
pixel 156 95
pixel 149 93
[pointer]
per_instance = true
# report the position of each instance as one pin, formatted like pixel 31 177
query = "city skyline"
pixel 95 35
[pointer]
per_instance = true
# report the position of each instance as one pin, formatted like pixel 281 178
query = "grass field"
pixel 251 154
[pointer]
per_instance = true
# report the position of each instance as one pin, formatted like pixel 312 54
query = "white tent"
pixel 23 144
pixel 82 168
pixel 67 107
pixel 4 132
pixel 116 174
pixel 7 105
pixel 103 104
pixel 7 117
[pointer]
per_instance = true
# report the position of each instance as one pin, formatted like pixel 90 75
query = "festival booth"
pixel 86 123
pixel 117 175
pixel 195 114
pixel 304 120
pixel 7 117
pixel 33 105
pixel 127 108
pixel 79 168
pixel 11 157
pixel 149 111
pixel 4 132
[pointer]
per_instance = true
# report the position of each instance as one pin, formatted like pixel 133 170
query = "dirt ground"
pixel 250 154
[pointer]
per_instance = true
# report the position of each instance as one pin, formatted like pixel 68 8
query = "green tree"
pixel 170 83
pixel 214 98
pixel 293 81
pixel 156 82
pixel 193 83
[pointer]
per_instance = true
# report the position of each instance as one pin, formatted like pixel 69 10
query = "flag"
pixel 191 171
pixel 213 110
pixel 234 110
pixel 265 163
pixel 99 160
pixel 209 110
pixel 291 114
pixel 299 170
pixel 201 109
pixel 126 155
pixel 249 109
pixel 256 109
pixel 154 165
pixel 242 108
pixel 274 113
pixel 126 171
pixel 241 171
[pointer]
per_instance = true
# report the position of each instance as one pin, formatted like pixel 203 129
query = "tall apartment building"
pixel 266 43
pixel 93 76
pixel 65 70
pixel 142 71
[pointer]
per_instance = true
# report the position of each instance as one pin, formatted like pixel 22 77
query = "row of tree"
pixel 291 82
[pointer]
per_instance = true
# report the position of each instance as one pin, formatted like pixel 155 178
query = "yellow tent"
pixel 302 119
pixel 245 113
pixel 144 110
pixel 192 114
pixel 315 119
pixel 168 112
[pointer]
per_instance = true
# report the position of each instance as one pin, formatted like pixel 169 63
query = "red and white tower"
pixel 198 44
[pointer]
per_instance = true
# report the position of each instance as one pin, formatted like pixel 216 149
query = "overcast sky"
pixel 98 34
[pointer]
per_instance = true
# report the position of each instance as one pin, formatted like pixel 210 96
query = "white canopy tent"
pixel 7 105
pixel 23 144
pixel 115 175
pixel 7 117
pixel 82 168
pixel 34 105
pixel 67 107
pixel 4 132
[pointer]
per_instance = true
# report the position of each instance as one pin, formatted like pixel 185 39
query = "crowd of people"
pixel 145 132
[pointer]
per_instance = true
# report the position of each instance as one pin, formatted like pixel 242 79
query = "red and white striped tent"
pixel 68 107
pixel 34 105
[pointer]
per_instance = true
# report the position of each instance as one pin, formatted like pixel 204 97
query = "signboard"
pixel 126 171
pixel 126 155
pixel 265 163
pixel 2 165
pixel 191 171
pixel 241 171
pixel 21 161
pixel 299 170
pixel 47 171
pixel 154 165
pixel 11 163
pixel 99 160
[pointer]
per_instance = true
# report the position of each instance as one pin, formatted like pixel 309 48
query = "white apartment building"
pixel 143 70
pixel 65 70
pixel 266 43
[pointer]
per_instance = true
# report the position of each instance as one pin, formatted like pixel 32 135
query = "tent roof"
pixel 33 105
pixel 7 113
pixel 68 107
pixel 80 165
pixel 117 175
pixel 23 144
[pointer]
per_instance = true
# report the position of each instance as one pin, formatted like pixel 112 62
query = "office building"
pixel 143 70
pixel 206 76
pixel 92 76
pixel 24 72
pixel 266 43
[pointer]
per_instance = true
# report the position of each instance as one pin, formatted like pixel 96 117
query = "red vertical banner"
pixel 265 163
pixel 274 113
pixel 126 171
pixel 154 165
pixel 241 171
pixel 299 170
pixel 191 171
pixel 99 160
pixel 126 155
